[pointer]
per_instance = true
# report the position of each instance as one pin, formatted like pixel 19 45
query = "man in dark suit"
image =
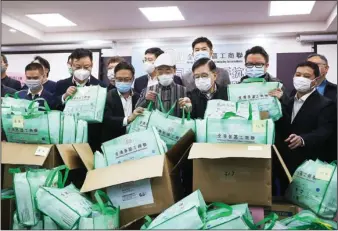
pixel 6 90
pixel 309 120
pixel 5 80
pixel 82 64
pixel 150 78
pixel 120 104
pixel 34 77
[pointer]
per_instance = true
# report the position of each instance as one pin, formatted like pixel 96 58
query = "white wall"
pixel 273 45
pixel 330 52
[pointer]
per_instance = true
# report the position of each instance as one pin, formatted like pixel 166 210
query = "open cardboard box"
pixel 75 156
pixel 163 172
pixel 233 173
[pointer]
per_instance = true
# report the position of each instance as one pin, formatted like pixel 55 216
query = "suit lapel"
pixel 117 103
pixel 306 107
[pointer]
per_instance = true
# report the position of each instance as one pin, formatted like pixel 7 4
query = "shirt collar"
pixel 323 83
pixel 167 87
pixel 77 84
pixel 304 97
pixel 132 93
pixel 209 95
pixel 39 93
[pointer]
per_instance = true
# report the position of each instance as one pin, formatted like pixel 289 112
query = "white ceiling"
pixel 118 20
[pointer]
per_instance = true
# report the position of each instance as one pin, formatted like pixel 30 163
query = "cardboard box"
pixel 7 212
pixel 75 156
pixel 162 170
pixel 282 209
pixel 232 173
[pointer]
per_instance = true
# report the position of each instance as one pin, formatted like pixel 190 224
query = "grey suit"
pixel 222 79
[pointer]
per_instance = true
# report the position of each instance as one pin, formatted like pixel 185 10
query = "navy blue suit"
pixel 23 94
pixel 49 86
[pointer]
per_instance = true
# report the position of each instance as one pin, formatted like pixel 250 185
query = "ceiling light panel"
pixel 280 8
pixel 51 20
pixel 161 14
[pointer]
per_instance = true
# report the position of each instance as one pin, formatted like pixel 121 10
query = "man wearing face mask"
pixel 112 62
pixel 203 48
pixel 69 65
pixel 309 120
pixel 150 78
pixel 5 80
pixel 120 104
pixel 34 77
pixel 168 91
pixel 205 76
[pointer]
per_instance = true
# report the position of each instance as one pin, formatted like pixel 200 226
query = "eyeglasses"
pixel 257 65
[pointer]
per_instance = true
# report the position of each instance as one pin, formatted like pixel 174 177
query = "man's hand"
pixel 295 141
pixel 151 96
pixel 138 111
pixel 70 92
pixel 278 93
pixel 182 102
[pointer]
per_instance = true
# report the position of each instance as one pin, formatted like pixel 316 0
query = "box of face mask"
pixel 145 186
pixel 77 157
pixel 233 173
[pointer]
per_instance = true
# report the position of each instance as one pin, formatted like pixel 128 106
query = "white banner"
pixel 230 57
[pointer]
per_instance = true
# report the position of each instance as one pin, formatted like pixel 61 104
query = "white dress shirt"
pixel 152 82
pixel 298 103
pixel 127 107
pixel 33 95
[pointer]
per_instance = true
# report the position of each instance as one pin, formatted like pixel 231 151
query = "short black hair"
pixel 124 66
pixel 312 65
pixel 155 51
pixel 4 58
pixel 82 53
pixel 203 61
pixel 34 67
pixel 202 40
pixel 69 58
pixel 115 59
pixel 257 50
pixel 43 62
pixel 322 57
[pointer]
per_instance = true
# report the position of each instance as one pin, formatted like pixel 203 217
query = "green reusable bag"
pixel 170 128
pixel 9 104
pixel 16 225
pixel 31 127
pixel 201 130
pixel 256 91
pixel 189 213
pixel 55 132
pixel 86 223
pixel 133 146
pixel 69 129
pixel 49 224
pixel 7 194
pixel 216 108
pixel 307 220
pixel 99 160
pixel 270 222
pixel 239 130
pixel 141 121
pixel 81 132
pixel 314 187
pixel 228 217
pixel 87 104
pixel 105 215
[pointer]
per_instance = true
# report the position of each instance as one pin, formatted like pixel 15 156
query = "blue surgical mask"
pixel 201 54
pixel 123 87
pixel 255 72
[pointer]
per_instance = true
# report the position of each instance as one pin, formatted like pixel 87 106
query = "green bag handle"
pixel 171 110
pixel 315 224
pixel 99 195
pixel 15 95
pixel 150 106
pixel 7 195
pixel 46 106
pixel 273 217
pixel 227 212
pixel 61 183
pixel 14 170
pixel 254 80
pixel 147 222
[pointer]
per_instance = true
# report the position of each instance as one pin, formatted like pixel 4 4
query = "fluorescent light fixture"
pixel 158 14
pixel 51 20
pixel 279 8
pixel 97 42
pixel 12 30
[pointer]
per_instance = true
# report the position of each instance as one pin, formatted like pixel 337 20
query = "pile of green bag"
pixel 44 202
pixel 23 122
pixel 314 187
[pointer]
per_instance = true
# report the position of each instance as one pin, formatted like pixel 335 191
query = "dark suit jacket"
pixel 12 83
pixel 94 130
pixel 142 82
pixel 6 90
pixel 331 91
pixel 44 94
pixel 114 115
pixel 199 101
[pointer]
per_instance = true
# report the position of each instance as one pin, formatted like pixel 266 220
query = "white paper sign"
pixel 42 151
pixel 131 194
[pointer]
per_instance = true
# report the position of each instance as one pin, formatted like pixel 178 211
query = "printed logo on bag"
pixel 223 137
pixel 131 149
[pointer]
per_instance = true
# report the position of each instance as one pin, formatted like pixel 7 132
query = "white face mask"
pixel 81 74
pixel 302 84
pixel 201 54
pixel 203 84
pixel 166 80
pixel 110 74
pixel 33 84
pixel 149 67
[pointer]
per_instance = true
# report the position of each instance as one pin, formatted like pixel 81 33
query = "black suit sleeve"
pixel 178 80
pixel 325 128
pixel 17 85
